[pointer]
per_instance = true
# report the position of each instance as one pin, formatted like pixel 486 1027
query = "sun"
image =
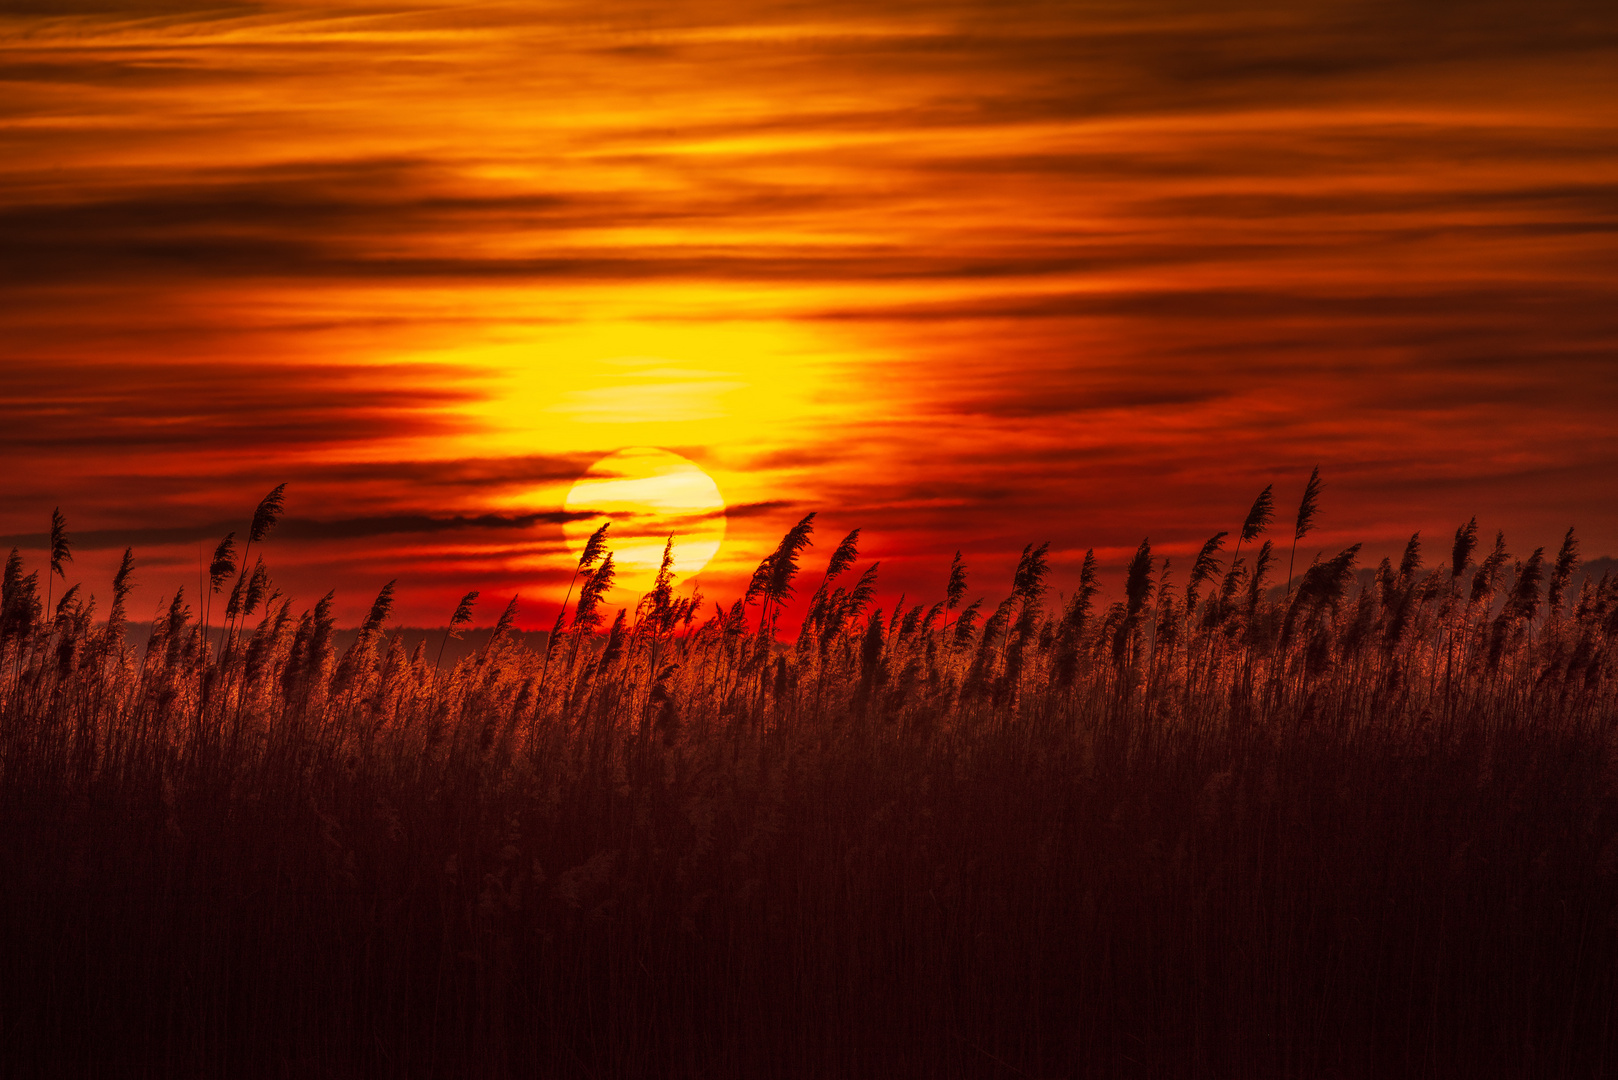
pixel 648 494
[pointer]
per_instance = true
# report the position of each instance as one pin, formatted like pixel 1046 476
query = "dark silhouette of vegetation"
pixel 1329 829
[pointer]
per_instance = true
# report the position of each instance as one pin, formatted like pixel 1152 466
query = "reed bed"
pixel 1337 826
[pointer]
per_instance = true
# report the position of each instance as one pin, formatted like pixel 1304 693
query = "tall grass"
pixel 1224 830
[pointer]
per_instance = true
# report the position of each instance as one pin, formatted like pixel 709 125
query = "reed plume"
pixel 843 557
pixel 265 515
pixel 1255 584
pixel 220 567
pixel 1204 567
pixel 658 605
pixel 269 511
pixel 772 581
pixel 1260 515
pixel 1028 583
pixel 966 622
pixel 1305 521
pixel 1488 573
pixel 1320 593
pixel 503 625
pixel 1074 621
pixel 586 617
pixel 61 552
pixel 1567 561
pixel 463 615
pixel 1258 519
pixel 957 583
pixel 381 608
pixel 594 548
pixel 123 583
pixel 1466 542
pixel 1137 594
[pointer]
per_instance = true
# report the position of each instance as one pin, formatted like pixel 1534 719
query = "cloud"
pixel 755 509
pixel 464 474
pixel 117 407
pixel 130 9
pixel 306 529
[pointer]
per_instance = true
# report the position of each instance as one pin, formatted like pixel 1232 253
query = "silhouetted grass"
pixel 1199 833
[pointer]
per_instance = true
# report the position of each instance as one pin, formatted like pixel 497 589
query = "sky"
pixel 965 276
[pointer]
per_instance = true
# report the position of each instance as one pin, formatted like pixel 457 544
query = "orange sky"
pixel 964 275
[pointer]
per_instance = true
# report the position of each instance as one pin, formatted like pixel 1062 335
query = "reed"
pixel 1327 829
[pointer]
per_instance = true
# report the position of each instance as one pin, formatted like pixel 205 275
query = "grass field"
pixel 1214 829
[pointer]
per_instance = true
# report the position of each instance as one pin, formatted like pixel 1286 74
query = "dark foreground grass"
pixel 1311 836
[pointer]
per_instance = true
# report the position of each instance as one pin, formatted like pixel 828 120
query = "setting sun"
pixel 649 495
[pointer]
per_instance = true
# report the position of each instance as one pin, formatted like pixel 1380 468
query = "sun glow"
pixel 648 495
pixel 644 382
